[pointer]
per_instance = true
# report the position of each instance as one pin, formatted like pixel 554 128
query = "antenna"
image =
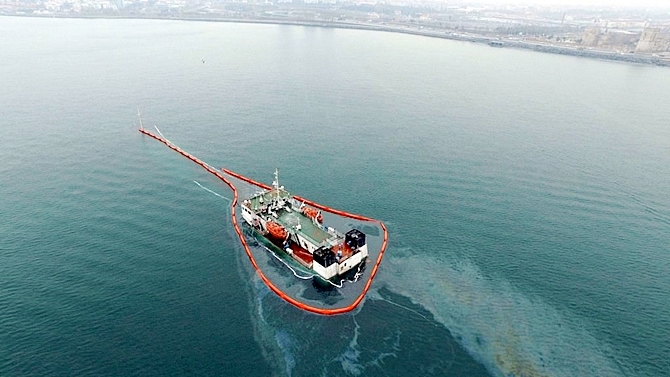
pixel 275 183
pixel 140 118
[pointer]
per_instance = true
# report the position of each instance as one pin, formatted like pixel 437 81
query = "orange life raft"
pixel 313 214
pixel 276 231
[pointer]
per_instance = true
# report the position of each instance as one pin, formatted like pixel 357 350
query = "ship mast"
pixel 275 183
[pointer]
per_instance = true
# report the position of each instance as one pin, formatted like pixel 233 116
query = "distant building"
pixel 654 40
pixel 620 39
pixel 591 36
pixel 611 38
pixel 627 24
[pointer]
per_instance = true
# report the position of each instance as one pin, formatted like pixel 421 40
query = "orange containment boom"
pixel 268 283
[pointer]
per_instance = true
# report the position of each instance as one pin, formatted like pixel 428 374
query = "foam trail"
pixel 285 343
pixel 511 334
pixel 358 358
pixel 350 358
pixel 219 195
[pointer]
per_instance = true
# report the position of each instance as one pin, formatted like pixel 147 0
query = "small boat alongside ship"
pixel 297 230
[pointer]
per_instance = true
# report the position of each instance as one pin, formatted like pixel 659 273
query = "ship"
pixel 292 229
pixel 297 230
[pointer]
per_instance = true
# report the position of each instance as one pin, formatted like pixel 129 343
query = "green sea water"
pixel 527 198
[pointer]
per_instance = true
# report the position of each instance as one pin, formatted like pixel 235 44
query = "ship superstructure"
pixel 298 230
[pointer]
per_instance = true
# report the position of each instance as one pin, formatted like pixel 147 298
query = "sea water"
pixel 526 196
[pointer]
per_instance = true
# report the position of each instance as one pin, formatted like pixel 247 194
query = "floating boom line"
pixel 240 234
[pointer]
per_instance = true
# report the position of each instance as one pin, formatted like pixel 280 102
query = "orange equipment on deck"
pixel 276 231
pixel 313 214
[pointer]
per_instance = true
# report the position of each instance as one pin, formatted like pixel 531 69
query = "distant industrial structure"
pixel 628 34
pixel 637 37
pixel 624 40
pixel 654 40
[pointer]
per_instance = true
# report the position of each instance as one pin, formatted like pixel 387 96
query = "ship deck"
pixel 345 251
pixel 291 219
pixel 267 197
pixel 307 228
pixel 303 256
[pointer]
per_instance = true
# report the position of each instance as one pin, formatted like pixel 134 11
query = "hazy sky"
pixel 626 3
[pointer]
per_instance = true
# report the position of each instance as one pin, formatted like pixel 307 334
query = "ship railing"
pixel 332 231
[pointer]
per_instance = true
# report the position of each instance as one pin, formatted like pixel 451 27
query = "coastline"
pixel 466 37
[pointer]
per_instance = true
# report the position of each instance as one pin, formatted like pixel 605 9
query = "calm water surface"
pixel 527 198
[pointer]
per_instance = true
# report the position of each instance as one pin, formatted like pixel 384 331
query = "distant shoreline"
pixel 518 44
